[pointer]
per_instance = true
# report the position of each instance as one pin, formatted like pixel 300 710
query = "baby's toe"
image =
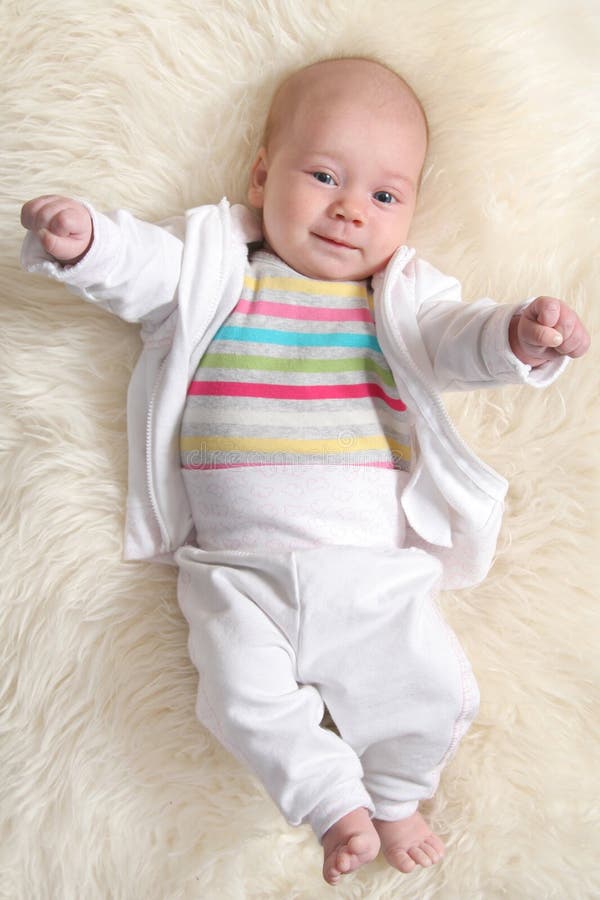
pixel 343 862
pixel 399 858
pixel 363 846
pixel 434 847
pixel 420 856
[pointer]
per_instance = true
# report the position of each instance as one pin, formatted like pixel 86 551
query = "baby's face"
pixel 337 185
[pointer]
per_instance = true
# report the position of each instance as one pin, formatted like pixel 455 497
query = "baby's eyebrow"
pixel 398 177
pixel 321 157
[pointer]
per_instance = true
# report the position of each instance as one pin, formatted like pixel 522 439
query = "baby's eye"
pixel 324 177
pixel 384 197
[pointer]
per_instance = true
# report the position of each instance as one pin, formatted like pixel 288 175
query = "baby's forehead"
pixel 331 85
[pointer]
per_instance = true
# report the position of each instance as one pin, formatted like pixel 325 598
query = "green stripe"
pixel 351 364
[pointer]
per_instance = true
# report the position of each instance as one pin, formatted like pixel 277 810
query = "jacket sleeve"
pixel 467 343
pixel 131 269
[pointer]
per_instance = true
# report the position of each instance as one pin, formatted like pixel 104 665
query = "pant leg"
pixel 243 615
pixel 392 673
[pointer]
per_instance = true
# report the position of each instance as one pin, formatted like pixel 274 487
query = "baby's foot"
pixel 409 843
pixel 349 844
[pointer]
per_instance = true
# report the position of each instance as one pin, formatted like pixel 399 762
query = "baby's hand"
pixel 547 328
pixel 63 226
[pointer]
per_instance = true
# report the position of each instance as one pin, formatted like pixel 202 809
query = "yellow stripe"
pixel 306 286
pixel 276 445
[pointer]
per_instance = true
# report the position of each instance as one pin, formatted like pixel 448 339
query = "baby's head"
pixel 338 173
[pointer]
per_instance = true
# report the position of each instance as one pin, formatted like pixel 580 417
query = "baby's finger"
pixel 59 247
pixel 32 209
pixel 582 346
pixel 547 310
pixel 43 212
pixel 66 222
pixel 58 217
pixel 537 335
pixel 576 340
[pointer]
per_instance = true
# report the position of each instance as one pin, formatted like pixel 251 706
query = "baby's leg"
pixel 396 683
pixel 404 760
pixel 242 641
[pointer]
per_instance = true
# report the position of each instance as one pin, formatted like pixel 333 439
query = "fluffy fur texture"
pixel 109 787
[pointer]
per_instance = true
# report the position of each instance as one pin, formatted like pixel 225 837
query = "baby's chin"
pixel 339 273
pixel 323 263
pixel 330 270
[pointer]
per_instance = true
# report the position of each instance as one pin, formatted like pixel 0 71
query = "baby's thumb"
pixel 48 240
pixel 547 311
pixel 43 233
pixel 60 248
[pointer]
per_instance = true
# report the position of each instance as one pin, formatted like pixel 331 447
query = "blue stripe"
pixel 296 338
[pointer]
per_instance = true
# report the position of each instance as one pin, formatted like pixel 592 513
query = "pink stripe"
pixel 309 313
pixel 245 465
pixel 292 392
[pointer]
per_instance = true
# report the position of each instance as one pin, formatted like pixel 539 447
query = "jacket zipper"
pixel 150 414
pixel 149 420
pixel 405 359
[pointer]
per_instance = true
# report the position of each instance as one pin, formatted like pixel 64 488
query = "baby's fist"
pixel 547 328
pixel 63 226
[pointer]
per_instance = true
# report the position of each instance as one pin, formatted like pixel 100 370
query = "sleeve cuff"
pixel 89 270
pixel 500 360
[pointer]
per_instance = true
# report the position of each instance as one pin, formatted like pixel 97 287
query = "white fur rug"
pixel 108 786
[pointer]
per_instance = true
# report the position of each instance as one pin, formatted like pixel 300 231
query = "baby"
pixel 290 452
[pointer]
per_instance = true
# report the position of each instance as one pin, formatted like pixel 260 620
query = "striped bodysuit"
pixel 293 394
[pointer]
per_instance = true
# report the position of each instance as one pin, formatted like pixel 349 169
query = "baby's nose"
pixel 350 209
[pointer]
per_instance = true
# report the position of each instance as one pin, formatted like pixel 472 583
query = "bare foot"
pixel 349 844
pixel 409 843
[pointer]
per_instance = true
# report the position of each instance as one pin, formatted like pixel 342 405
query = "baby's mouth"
pixel 335 242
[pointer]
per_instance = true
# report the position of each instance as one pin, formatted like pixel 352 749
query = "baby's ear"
pixel 258 178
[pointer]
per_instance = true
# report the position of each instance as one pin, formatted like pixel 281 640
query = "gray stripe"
pixel 308 379
pixel 238 410
pixel 305 326
pixel 298 407
pixel 278 351
pixel 339 430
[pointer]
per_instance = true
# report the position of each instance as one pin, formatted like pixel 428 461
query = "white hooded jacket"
pixel 182 278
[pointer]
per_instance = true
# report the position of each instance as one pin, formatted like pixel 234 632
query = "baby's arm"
pixel 63 227
pixel 123 264
pixel 545 330
pixel 486 344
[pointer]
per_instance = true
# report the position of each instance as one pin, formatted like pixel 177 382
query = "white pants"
pixel 275 636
